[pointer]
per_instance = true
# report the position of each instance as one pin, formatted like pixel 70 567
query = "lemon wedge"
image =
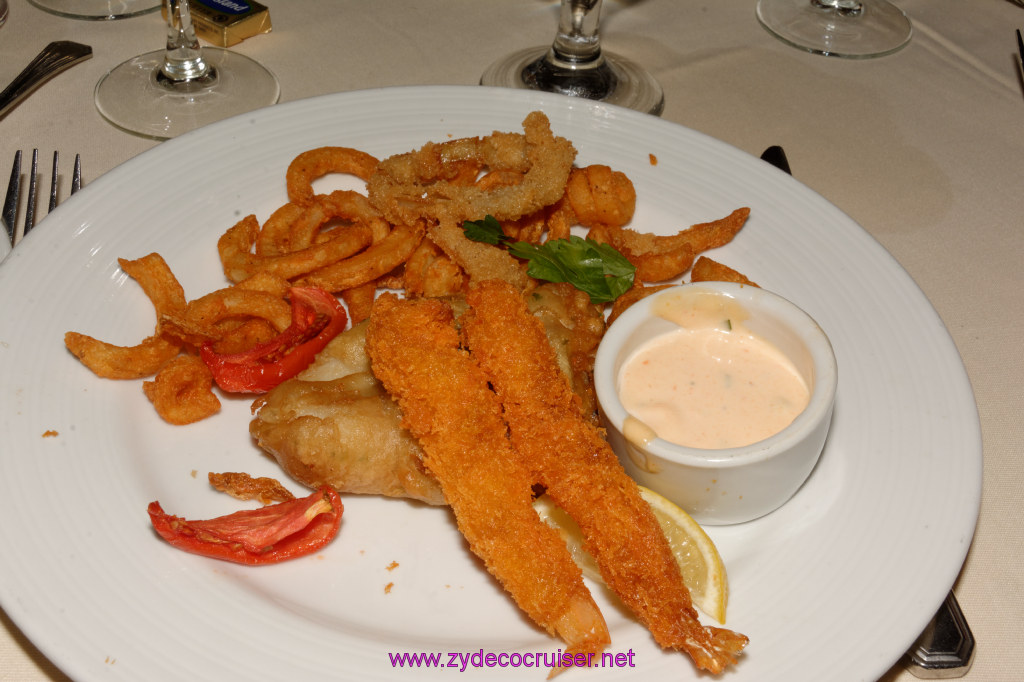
pixel 698 558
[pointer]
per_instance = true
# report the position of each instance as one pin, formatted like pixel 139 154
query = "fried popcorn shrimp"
pixel 182 391
pixel 663 257
pixel 430 272
pixel 600 196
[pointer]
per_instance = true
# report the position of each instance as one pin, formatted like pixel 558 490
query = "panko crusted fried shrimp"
pixel 447 405
pixel 569 456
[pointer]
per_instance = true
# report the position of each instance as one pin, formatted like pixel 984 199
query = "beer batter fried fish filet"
pixel 447 404
pixel 569 456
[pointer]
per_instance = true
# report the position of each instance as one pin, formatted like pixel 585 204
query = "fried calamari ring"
pixel 412 185
pixel 416 185
pixel 144 359
pixel 315 163
pixel 182 391
pixel 480 261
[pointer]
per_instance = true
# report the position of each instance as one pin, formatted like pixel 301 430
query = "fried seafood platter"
pixel 429 335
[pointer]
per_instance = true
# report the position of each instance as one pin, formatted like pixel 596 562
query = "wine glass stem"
pixel 578 41
pixel 183 59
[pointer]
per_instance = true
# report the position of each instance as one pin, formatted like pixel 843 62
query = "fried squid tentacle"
pixel 447 404
pixel 568 455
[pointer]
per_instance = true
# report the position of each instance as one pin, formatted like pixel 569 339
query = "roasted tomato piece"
pixel 317 317
pixel 268 535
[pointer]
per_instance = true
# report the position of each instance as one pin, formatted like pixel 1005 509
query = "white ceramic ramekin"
pixel 730 485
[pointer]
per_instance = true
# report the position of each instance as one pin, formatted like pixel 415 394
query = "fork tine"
pixel 76 179
pixel 53 185
pixel 11 200
pixel 30 208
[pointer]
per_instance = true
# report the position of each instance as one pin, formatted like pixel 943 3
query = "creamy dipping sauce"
pixel 711 383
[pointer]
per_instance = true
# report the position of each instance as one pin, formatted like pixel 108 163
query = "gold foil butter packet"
pixel 228 22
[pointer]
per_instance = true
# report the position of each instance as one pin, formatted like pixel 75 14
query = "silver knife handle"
pixel 55 57
pixel 946 647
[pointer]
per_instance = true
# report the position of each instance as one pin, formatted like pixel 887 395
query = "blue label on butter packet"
pixel 227 6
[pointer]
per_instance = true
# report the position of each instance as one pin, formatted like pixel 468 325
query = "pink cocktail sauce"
pixel 711 383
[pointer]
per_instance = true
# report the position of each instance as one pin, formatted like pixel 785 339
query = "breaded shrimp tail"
pixel 448 406
pixel 569 456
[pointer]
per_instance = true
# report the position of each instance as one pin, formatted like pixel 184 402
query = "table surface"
pixel 918 147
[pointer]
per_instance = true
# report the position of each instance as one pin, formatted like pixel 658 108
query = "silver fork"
pixel 14 193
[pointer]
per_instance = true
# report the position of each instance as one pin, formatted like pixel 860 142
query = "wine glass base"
pixel 635 88
pixel 878 29
pixel 133 98
pixel 97 10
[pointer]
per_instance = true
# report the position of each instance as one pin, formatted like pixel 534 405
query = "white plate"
pixel 835 585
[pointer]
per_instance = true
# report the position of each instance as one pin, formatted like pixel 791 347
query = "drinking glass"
pixel 165 93
pixel 575 65
pixel 3 12
pixel 97 9
pixel 855 29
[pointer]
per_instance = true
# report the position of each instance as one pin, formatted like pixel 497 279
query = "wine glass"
pixel 168 92
pixel 855 29
pixel 575 65
pixel 97 9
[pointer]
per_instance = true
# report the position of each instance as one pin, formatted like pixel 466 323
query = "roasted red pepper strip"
pixel 275 533
pixel 317 317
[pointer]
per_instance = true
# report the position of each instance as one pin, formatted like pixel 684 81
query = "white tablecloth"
pixel 924 148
